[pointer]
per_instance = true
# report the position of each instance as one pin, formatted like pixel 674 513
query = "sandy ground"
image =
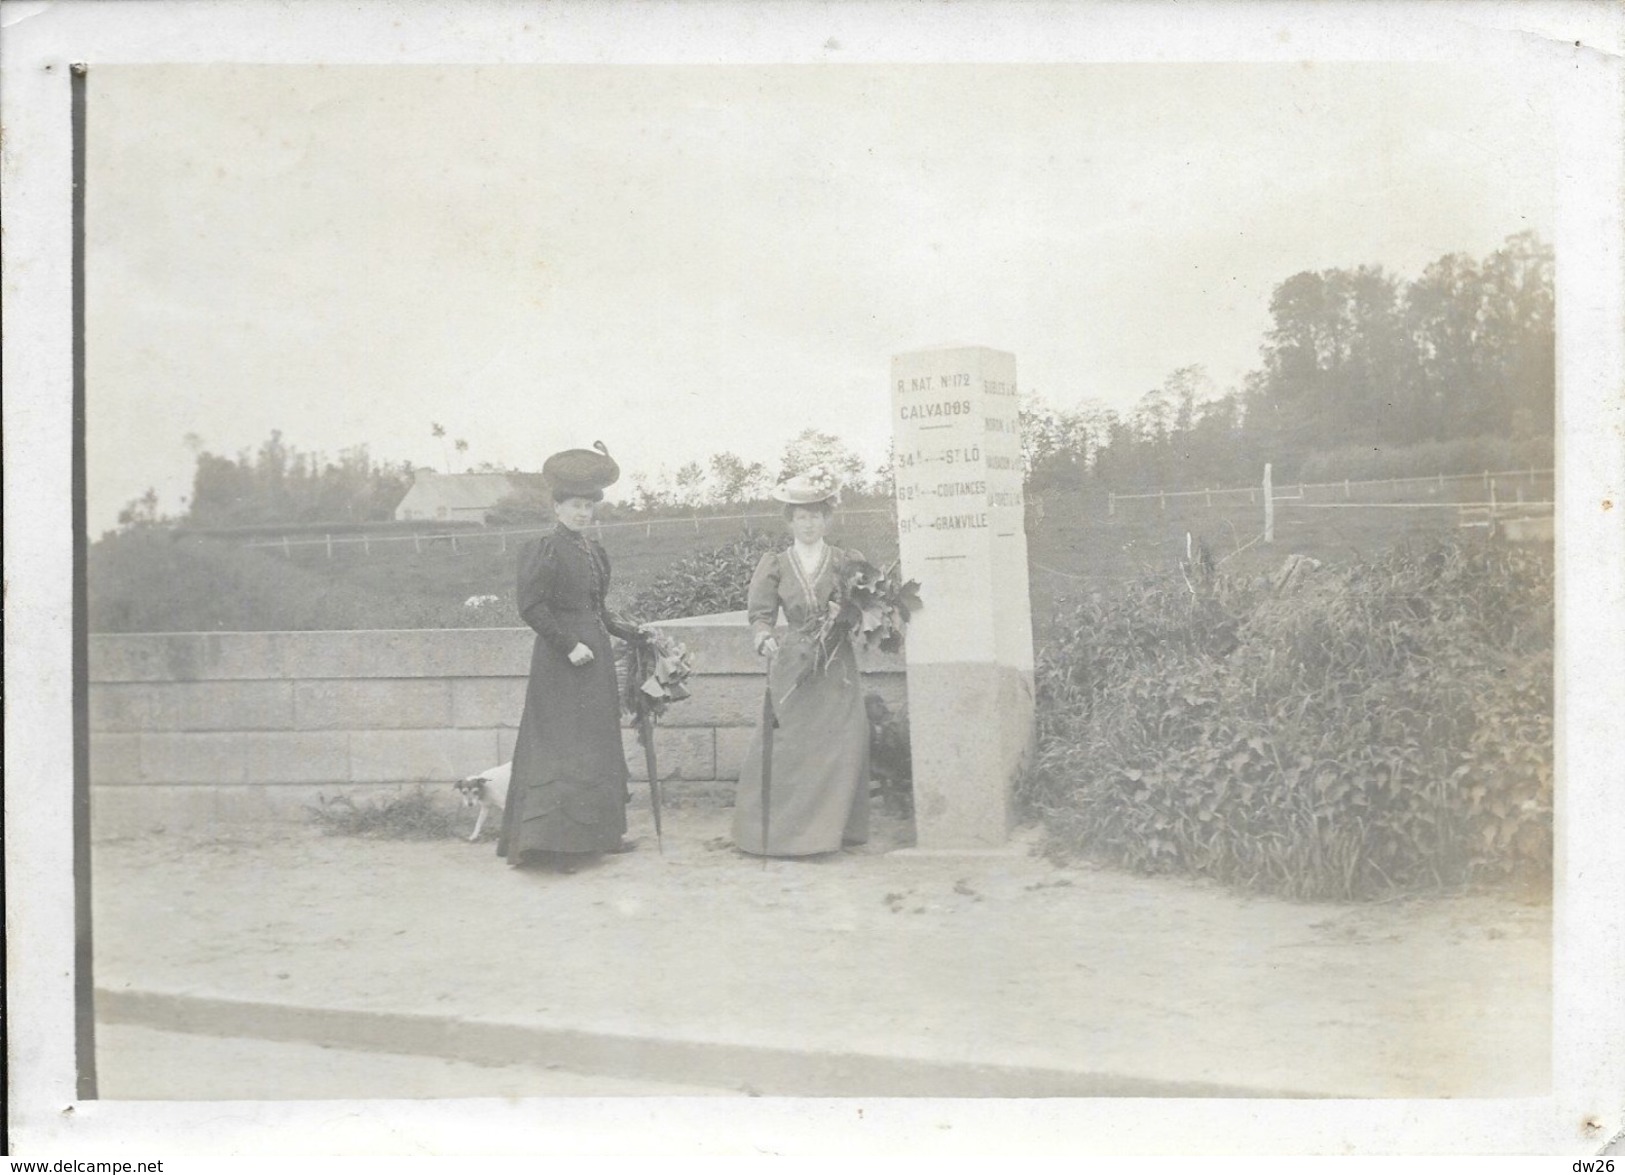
pixel 977 960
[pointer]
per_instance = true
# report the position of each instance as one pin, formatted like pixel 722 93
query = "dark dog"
pixel 890 764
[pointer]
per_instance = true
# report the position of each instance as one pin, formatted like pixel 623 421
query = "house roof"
pixel 457 491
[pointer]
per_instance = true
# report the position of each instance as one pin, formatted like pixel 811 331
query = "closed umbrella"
pixel 770 722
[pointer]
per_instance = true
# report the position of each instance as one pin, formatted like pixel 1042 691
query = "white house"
pixel 453 497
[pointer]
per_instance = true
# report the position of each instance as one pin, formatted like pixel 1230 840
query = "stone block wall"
pixel 192 729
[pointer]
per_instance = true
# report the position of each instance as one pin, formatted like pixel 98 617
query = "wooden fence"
pixel 485 538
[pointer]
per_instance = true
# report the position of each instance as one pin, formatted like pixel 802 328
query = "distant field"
pixel 1076 542
pixel 168 581
pixel 1081 542
pixel 485 563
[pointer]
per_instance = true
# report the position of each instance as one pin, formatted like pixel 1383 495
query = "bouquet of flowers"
pixel 871 608
pixel 656 675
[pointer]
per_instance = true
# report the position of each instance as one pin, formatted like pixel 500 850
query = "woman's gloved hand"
pixel 580 655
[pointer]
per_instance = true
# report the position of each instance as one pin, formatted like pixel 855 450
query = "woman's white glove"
pixel 580 655
pixel 767 646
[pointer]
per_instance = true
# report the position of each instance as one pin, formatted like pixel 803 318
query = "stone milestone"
pixel 960 518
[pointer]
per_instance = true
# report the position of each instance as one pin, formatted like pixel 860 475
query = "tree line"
pixel 1355 360
pixel 725 479
pixel 278 483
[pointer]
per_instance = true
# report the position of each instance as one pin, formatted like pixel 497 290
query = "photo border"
pixel 1574 47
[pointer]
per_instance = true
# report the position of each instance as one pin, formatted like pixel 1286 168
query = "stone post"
pixel 960 518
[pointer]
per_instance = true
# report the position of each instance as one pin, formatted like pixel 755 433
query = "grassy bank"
pixel 162 581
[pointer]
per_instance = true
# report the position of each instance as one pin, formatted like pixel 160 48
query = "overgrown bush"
pixel 712 580
pixel 407 815
pixel 530 504
pixel 1380 727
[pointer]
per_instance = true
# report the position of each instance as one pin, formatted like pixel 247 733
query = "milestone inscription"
pixel 956 463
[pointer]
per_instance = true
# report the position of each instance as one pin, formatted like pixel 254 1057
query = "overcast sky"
pixel 684 260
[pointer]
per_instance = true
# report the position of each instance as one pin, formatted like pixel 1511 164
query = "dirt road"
pixel 938 961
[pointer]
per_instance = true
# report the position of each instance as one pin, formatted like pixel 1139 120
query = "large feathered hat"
pixel 582 473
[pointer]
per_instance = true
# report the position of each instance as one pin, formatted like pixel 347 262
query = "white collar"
pixel 810 556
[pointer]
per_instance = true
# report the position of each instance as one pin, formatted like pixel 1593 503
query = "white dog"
pixel 487 791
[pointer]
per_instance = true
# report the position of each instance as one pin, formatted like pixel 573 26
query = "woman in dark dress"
pixel 568 794
pixel 819 799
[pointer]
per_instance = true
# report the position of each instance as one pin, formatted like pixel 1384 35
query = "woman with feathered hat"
pixel 568 792
pixel 819 782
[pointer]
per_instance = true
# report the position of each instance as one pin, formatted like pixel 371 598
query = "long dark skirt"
pixel 820 782
pixel 568 791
